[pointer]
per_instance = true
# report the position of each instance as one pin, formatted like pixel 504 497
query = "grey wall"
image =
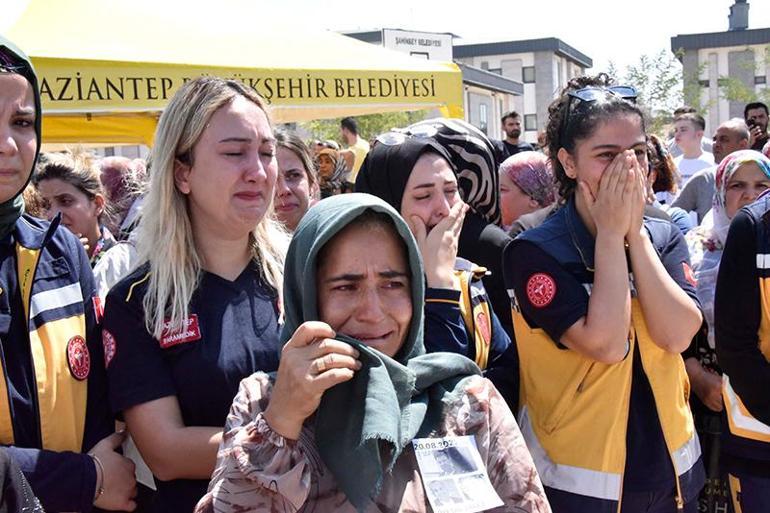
pixel 545 85
pixel 740 65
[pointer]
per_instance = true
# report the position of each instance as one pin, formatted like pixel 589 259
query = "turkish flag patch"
pixel 190 332
pixel 78 358
pixel 541 289
pixel 98 308
pixel 108 341
pixel 689 275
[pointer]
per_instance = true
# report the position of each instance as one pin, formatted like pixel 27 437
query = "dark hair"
pixel 350 124
pixel 753 105
pixel 666 174
pixel 685 109
pixel 293 143
pixel 692 117
pixel 511 114
pixel 77 168
pixel 565 128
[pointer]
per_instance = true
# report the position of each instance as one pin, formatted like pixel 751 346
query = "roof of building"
pixel 369 36
pixel 719 39
pixel 375 36
pixel 488 80
pixel 548 44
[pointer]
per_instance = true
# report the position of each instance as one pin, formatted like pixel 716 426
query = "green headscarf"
pixel 14 60
pixel 362 425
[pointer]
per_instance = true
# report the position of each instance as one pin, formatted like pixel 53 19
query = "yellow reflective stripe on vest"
pixel 6 422
pixel 61 398
pixel 472 309
pixel 582 481
pixel 740 421
pixel 26 262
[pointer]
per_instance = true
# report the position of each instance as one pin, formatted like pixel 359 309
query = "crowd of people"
pixel 250 322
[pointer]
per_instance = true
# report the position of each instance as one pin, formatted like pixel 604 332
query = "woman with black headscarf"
pixel 53 405
pixel 415 176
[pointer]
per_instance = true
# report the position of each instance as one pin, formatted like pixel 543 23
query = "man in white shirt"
pixel 688 131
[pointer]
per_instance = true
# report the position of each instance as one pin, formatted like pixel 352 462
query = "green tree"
pixel 658 80
pixel 733 89
pixel 370 125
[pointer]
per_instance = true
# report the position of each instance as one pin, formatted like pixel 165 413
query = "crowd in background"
pixel 248 321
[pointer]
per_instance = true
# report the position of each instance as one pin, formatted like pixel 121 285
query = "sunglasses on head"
pixel 593 93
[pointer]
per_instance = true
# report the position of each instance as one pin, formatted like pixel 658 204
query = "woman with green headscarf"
pixel 54 420
pixel 336 428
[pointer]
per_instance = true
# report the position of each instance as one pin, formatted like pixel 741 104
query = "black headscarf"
pixel 13 60
pixel 389 163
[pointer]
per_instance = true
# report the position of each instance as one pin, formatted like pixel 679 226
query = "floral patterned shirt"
pixel 259 470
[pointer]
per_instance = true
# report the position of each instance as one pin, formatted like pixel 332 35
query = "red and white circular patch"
pixel 78 358
pixel 108 341
pixel 541 289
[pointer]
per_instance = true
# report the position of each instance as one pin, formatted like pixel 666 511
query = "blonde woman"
pixel 201 313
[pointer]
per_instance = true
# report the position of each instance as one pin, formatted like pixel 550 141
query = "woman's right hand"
pixel 439 246
pixel 118 480
pixel 311 363
pixel 611 207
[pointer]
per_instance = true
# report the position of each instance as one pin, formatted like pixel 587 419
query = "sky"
pixel 605 30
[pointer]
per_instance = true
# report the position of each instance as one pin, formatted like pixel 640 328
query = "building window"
pixel 703 83
pixel 530 122
pixel 483 117
pixel 528 74
pixel 760 80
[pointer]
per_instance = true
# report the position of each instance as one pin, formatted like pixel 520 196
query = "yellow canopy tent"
pixel 108 67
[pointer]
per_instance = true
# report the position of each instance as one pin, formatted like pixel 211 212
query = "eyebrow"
pixel 247 140
pixel 358 277
pixel 617 147
pixel 428 185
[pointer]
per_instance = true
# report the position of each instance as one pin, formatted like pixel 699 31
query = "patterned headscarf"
pixel 727 168
pixel 531 171
pixel 472 156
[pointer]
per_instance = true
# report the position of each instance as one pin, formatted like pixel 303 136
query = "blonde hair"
pixel 165 235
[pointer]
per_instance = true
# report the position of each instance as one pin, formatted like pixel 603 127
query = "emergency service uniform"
pixel 52 381
pixel 598 433
pixel 231 332
pixel 462 320
pixel 742 330
pixel 53 394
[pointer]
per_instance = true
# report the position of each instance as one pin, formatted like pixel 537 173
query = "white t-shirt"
pixel 688 167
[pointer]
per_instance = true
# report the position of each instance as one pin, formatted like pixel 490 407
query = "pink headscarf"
pixel 531 171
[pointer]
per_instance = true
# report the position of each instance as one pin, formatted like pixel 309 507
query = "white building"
pixel 709 59
pixel 543 66
pixel 487 95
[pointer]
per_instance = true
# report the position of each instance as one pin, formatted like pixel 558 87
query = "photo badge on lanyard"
pixel 454 477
